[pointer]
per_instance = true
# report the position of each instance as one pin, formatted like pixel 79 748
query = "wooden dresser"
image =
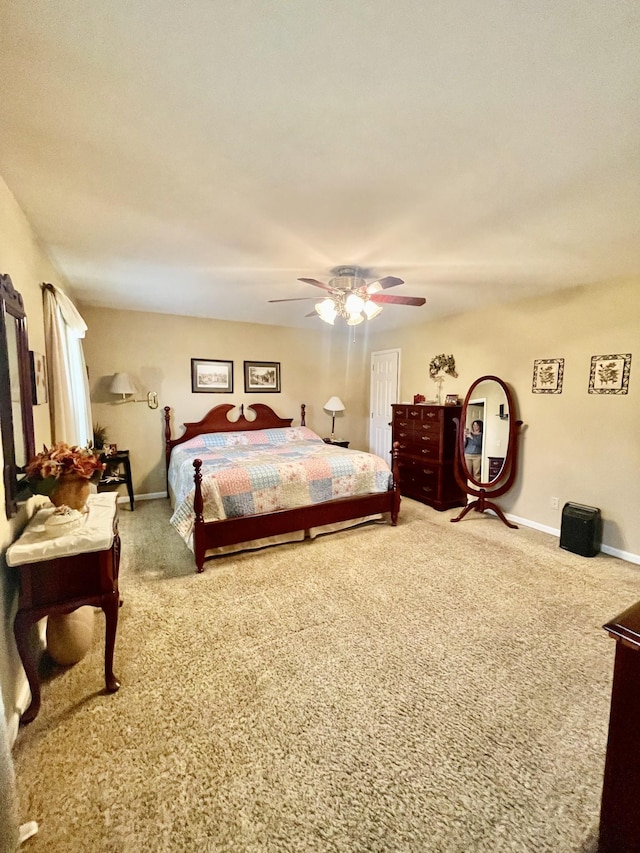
pixel 426 435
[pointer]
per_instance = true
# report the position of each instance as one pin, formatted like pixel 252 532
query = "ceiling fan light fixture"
pixel 354 319
pixel 371 310
pixel 326 310
pixel 354 303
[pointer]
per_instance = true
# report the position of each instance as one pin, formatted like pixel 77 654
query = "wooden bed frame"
pixel 232 531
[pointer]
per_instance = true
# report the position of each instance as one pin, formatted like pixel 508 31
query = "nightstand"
pixel 117 473
pixel 337 442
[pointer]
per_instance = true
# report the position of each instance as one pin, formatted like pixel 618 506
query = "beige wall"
pixel 22 258
pixel 576 446
pixel 156 349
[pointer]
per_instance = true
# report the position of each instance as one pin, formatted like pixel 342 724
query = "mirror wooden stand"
pixel 489 412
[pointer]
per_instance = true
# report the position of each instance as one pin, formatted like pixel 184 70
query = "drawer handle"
pixel 431 414
pixel 426 437
pixel 427 489
pixel 403 423
pixel 427 471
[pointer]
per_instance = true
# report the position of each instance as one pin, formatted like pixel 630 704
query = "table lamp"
pixel 333 405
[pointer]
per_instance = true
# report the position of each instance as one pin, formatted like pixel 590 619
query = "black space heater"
pixel 581 530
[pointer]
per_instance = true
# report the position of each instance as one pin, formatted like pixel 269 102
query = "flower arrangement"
pixel 444 363
pixel 46 468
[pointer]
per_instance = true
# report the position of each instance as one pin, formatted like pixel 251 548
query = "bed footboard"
pixel 232 531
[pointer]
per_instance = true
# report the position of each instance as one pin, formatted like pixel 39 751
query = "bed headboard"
pixel 216 420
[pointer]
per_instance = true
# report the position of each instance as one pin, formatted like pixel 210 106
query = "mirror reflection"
pixel 14 389
pixel 486 431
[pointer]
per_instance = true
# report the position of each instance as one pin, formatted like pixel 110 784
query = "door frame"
pixel 373 353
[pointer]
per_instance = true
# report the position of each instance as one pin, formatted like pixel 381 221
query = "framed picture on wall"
pixel 38 378
pixel 610 374
pixel 210 376
pixel 262 377
pixel 547 376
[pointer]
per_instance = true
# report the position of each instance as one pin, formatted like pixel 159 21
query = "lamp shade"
pixel 122 384
pixel 334 404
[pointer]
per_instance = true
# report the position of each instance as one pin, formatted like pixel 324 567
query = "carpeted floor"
pixel 431 687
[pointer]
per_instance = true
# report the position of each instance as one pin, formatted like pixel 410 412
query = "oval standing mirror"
pixel 485 422
pixel 16 413
pixel 487 444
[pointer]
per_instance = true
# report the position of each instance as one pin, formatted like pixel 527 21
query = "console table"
pixel 59 574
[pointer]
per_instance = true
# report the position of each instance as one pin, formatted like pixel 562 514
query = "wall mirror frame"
pixel 16 406
pixel 490 400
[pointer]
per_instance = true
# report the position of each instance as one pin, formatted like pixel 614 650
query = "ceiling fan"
pixel 350 297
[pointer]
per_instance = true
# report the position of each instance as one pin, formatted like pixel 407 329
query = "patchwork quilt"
pixel 244 473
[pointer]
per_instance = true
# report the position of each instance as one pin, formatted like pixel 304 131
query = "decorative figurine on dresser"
pixel 426 435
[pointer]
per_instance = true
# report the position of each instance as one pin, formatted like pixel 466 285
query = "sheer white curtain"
pixel 69 402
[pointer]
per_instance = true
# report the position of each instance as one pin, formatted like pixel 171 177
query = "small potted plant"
pixel 99 436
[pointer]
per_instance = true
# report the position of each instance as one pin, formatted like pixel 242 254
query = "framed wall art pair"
pixel 214 376
pixel 609 374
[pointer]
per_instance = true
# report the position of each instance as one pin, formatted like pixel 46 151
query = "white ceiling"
pixel 199 157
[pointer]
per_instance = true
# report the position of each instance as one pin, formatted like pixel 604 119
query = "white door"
pixel 385 382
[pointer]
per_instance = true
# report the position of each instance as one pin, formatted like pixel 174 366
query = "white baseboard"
pixel 627 556
pixel 151 496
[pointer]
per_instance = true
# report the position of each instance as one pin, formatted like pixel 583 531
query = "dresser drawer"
pixel 423 445
pixel 419 480
pixel 411 414
pixel 416 433
pixel 431 414
pixel 407 414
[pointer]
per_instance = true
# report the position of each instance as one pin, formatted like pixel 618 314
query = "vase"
pixel 439 380
pixel 71 491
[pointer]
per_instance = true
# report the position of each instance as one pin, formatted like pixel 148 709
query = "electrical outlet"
pixel 554 503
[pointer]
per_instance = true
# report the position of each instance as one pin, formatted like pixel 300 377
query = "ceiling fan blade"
pixel 384 283
pixel 316 283
pixel 383 299
pixel 295 299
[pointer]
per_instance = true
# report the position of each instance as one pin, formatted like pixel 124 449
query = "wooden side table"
pixel 117 472
pixel 58 575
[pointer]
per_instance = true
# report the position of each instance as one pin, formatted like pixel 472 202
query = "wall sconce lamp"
pixel 123 384
pixel 333 405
